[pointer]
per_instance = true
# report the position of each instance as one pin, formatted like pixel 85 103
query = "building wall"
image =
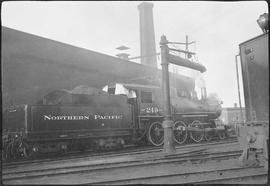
pixel 232 115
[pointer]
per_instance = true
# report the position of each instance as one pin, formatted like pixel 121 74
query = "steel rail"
pixel 236 177
pixel 182 176
pixel 5 172
pixel 112 153
pixel 127 164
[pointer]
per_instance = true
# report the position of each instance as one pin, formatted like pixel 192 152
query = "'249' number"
pixel 151 110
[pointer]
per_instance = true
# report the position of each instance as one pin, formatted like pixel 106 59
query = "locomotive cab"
pixel 145 99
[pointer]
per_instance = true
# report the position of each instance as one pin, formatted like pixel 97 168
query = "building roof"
pixel 33 66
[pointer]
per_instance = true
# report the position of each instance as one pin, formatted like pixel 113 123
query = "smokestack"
pixel 147 35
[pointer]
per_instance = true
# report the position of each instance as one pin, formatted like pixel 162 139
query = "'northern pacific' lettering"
pixel 97 116
pixel 50 117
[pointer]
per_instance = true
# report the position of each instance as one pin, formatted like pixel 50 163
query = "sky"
pixel 216 27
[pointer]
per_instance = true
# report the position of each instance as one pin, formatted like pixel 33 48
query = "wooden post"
pixel 167 124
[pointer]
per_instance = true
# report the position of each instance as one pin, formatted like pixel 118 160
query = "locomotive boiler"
pixel 189 113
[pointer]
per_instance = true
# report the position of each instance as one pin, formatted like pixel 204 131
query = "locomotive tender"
pixel 254 55
pixel 98 119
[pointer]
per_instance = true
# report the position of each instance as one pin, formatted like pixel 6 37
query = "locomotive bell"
pixel 263 22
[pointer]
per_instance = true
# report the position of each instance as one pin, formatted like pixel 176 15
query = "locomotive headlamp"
pixel 263 22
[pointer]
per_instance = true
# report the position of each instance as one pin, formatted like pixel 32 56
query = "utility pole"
pixel 167 123
pixel 166 59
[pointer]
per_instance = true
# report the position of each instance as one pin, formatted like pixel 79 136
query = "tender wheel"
pixel 30 151
pixel 196 136
pixel 7 152
pixel 15 153
pixel 156 134
pixel 221 135
pixel 179 132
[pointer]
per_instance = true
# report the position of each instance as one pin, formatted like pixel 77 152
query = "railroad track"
pixel 128 151
pixel 197 177
pixel 83 172
pixel 196 156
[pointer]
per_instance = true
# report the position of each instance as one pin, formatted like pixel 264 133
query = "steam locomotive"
pixel 91 118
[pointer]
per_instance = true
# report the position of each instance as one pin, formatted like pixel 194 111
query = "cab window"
pixel 183 93
pixel 111 90
pixel 180 93
pixel 146 97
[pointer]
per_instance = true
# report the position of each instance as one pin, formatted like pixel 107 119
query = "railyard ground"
pixel 145 169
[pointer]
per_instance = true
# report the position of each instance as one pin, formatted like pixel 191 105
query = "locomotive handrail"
pixel 150 116
pixel 256 123
pixel 83 130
